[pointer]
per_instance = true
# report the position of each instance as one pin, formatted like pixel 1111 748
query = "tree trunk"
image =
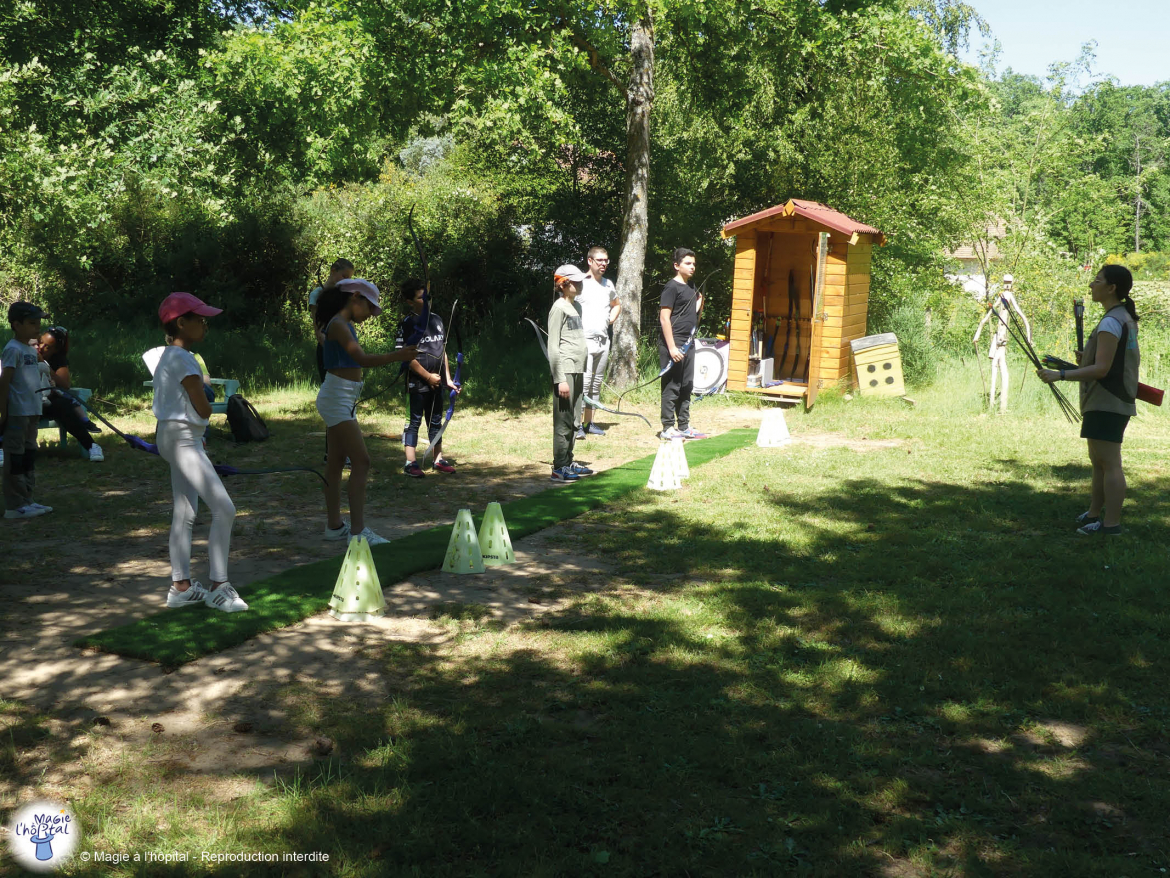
pixel 635 217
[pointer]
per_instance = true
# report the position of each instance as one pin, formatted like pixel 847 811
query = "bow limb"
pixel 596 404
pixel 455 380
pixel 423 319
pixel 539 336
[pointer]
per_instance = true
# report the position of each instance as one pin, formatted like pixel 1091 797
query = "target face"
pixel 709 369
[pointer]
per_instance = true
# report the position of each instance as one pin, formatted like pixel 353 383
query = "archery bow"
pixel 221 469
pixel 420 322
pixel 455 382
pixel 590 401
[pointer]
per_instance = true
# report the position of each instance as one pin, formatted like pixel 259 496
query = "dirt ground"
pixel 102 582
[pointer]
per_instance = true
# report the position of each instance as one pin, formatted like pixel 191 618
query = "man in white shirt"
pixel 599 309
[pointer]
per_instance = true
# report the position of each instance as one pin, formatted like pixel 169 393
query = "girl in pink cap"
pixel 183 411
pixel 339 307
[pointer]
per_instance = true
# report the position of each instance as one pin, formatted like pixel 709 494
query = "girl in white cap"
pixel 339 307
pixel 183 411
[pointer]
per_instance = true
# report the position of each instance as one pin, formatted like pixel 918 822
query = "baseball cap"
pixel 20 311
pixel 177 304
pixel 568 272
pixel 361 287
pixel 1007 279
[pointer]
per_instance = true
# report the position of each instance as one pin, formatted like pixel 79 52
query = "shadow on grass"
pixel 920 679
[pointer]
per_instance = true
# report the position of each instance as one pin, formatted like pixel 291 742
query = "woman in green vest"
pixel 1108 375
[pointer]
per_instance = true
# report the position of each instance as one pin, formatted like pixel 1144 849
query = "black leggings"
pixel 63 412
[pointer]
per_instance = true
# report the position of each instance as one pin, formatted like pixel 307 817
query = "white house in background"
pixel 965 262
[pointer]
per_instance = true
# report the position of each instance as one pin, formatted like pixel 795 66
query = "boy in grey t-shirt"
pixel 20 409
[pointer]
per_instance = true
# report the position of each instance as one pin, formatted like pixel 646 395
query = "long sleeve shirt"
pixel 567 351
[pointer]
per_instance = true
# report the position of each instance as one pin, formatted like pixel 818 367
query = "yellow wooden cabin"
pixel 801 294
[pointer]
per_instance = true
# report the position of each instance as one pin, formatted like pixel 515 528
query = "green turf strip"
pixel 173 637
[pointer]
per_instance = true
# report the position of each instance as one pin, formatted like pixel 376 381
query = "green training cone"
pixel 357 596
pixel 494 543
pixel 463 554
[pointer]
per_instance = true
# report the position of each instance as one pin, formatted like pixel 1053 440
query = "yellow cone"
pixel 663 476
pixel 463 553
pixel 495 544
pixel 678 448
pixel 357 596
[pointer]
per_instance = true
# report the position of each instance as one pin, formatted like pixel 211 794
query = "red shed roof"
pixel 818 213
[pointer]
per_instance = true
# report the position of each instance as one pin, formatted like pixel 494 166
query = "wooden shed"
pixel 801 294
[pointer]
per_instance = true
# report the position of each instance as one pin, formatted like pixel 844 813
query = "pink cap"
pixel 362 287
pixel 178 304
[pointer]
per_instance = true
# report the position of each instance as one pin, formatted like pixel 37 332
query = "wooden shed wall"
pixel 764 256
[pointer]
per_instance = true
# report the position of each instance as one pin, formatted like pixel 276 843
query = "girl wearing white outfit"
pixel 183 411
pixel 339 307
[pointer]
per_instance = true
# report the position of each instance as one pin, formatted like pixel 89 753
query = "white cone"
pixel 678 449
pixel 773 431
pixel 663 475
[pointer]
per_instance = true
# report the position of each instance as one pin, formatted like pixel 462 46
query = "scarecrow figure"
pixel 998 351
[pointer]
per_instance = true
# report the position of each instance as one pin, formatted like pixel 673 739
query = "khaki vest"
pixel 1103 396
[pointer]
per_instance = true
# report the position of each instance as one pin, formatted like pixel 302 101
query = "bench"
pixel 219 405
pixel 83 394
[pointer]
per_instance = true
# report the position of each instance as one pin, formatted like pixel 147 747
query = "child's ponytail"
pixel 329 305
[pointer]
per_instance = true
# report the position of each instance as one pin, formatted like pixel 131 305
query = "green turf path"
pixel 174 637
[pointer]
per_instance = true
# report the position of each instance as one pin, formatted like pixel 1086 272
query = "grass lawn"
pixel 881 651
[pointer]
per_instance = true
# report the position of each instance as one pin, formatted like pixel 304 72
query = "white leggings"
pixel 194 478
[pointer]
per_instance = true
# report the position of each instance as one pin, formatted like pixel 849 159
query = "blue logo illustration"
pixel 43 835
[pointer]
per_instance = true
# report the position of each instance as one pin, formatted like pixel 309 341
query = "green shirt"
pixel 567 351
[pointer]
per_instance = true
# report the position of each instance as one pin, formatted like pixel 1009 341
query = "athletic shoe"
pixel 92 427
pixel 413 470
pixel 594 430
pixel 689 433
pixel 580 469
pixel 194 594
pixel 670 433
pixel 580 434
pixel 95 453
pixel 443 467
pixel 337 533
pixel 224 597
pixel 27 511
pixel 372 538
pixel 1084 518
pixel 564 474
pixel 41 506
pixel 1096 528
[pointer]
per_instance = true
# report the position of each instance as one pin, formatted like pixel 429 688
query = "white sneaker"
pixel 28 511
pixel 41 506
pixel 194 594
pixel 670 433
pixel 372 538
pixel 95 453
pixel 337 533
pixel 224 597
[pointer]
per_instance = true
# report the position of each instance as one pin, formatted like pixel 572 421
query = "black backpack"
pixel 245 422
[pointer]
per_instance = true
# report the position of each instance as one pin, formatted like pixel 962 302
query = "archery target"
pixel 710 365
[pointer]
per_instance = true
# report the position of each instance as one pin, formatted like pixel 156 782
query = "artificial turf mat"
pixel 173 638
